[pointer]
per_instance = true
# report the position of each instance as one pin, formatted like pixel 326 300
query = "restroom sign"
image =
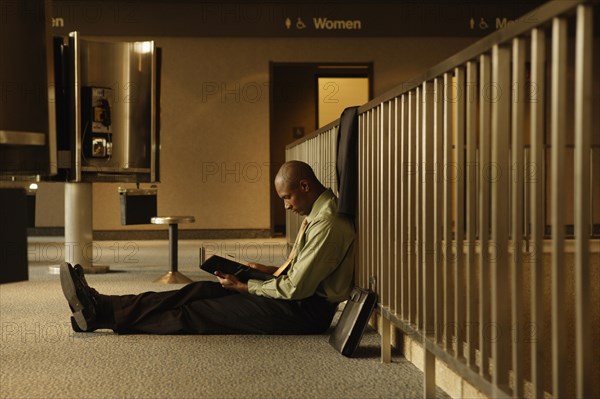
pixel 322 23
pixel 481 23
pixel 322 19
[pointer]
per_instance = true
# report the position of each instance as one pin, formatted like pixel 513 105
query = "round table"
pixel 173 276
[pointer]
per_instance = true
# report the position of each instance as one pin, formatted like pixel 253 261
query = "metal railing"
pixel 465 196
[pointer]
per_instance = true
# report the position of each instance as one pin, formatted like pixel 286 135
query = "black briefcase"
pixel 349 329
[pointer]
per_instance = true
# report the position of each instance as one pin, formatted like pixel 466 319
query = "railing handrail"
pixel 543 15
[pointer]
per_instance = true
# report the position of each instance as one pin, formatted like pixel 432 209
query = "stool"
pixel 174 276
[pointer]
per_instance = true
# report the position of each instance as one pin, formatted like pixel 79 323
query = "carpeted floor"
pixel 40 356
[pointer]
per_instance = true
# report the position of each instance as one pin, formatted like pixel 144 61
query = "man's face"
pixel 295 196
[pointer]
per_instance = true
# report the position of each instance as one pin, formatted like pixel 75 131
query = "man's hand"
pixel 231 282
pixel 262 268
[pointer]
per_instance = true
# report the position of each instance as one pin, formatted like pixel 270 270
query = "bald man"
pixel 301 298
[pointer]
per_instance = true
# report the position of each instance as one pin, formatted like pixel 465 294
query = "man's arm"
pixel 318 258
pixel 263 268
pixel 232 283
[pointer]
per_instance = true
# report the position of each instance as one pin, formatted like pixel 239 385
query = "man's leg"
pixel 207 308
pixel 198 308
pixel 251 314
pixel 160 312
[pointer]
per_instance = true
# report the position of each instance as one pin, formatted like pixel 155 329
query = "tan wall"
pixel 229 130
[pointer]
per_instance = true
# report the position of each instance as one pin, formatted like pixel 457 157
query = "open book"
pixel 230 266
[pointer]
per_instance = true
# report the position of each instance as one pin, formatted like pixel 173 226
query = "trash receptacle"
pixel 138 206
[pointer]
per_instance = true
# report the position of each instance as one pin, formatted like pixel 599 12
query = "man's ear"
pixel 304 186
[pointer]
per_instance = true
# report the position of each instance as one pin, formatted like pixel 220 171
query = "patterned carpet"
pixel 40 356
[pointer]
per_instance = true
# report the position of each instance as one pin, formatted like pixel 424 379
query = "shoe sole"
pixel 75 326
pixel 70 293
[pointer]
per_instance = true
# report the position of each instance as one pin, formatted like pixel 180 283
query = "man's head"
pixel 298 187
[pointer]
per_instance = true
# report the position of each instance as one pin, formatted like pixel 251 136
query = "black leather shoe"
pixel 74 325
pixel 81 298
pixel 80 273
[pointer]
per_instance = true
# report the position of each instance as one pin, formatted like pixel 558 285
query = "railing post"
pixel 428 263
pixel 500 282
pixel 438 138
pixel 582 202
pixel 517 131
pixel 396 211
pixel 447 264
pixel 484 214
pixel 412 207
pixel 538 58
pixel 419 166
pixel 558 129
pixel 458 209
pixel 470 174
pixel 404 206
pixel 386 340
pixel 383 205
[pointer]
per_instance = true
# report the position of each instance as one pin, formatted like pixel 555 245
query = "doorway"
pixel 304 97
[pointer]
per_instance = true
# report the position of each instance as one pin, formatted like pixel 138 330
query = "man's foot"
pixel 80 273
pixel 81 298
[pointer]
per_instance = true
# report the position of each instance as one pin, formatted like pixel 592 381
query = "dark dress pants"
pixel 205 307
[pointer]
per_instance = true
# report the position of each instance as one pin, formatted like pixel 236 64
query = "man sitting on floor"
pixel 301 300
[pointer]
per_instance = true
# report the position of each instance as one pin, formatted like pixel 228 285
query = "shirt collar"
pixel 325 197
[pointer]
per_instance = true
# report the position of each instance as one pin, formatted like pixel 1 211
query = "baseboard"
pixel 45 231
pixel 163 234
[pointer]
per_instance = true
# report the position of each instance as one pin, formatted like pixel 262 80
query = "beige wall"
pixel 215 123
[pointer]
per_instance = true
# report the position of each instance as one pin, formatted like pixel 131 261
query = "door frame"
pixel 319 70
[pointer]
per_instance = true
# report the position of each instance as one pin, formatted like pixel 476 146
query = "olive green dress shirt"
pixel 324 261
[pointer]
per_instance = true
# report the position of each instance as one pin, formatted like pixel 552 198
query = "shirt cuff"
pixel 254 286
